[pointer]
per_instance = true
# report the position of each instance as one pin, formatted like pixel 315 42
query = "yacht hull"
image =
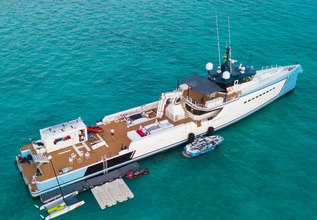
pixel 249 102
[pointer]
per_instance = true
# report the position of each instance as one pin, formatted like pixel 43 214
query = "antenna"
pixel 250 59
pixel 229 45
pixel 229 30
pixel 218 39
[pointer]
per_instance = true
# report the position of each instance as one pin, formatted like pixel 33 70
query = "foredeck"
pixel 114 143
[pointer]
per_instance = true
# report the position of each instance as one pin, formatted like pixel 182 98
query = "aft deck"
pixel 99 147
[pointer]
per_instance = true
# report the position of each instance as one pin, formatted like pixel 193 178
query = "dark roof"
pixel 202 85
pixel 234 74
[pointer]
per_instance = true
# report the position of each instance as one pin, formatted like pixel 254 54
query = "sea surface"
pixel 63 59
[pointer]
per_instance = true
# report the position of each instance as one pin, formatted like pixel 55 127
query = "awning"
pixel 202 85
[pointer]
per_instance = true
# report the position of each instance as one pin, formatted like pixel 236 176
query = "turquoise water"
pixel 63 59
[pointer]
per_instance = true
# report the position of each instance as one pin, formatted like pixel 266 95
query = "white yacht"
pixel 68 153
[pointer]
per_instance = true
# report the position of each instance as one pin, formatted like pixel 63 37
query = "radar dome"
pixel 226 75
pixel 209 66
pixel 242 71
pixel 219 70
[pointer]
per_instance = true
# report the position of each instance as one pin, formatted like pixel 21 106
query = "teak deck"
pixel 116 142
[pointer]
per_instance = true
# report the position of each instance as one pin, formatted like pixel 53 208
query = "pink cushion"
pixel 141 133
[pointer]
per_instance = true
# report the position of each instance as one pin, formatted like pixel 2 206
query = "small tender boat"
pixel 202 145
pixel 61 205
pixel 94 129
pixel 136 173
pixel 65 208
pixel 56 208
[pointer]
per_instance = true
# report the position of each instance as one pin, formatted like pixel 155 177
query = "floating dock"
pixel 111 193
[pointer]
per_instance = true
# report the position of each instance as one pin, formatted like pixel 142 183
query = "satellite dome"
pixel 219 70
pixel 242 71
pixel 226 75
pixel 209 66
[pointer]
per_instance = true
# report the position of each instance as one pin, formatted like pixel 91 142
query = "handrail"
pixel 192 104
pixel 116 116
pixel 202 107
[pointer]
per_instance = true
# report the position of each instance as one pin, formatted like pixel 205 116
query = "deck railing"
pixel 213 102
pixel 117 116
pixel 270 67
